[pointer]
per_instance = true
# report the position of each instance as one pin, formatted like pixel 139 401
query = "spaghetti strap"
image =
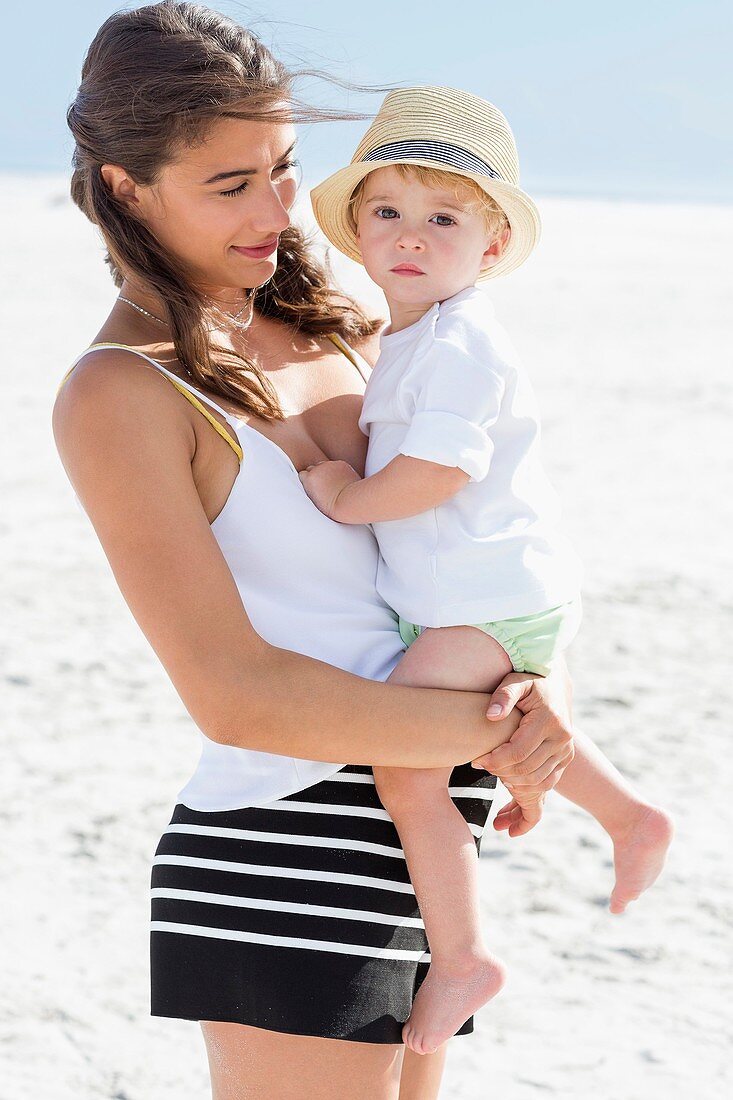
pixel 194 396
pixel 200 400
pixel 350 354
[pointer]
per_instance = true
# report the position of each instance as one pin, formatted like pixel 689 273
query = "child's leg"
pixel 439 847
pixel 641 833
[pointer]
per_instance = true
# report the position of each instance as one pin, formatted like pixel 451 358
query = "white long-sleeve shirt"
pixel 451 389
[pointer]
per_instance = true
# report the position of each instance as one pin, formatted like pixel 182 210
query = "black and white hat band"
pixel 439 151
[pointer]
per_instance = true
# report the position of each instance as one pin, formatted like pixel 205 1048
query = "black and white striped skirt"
pixel 297 916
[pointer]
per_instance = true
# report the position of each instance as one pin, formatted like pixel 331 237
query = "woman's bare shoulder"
pixel 112 385
pixel 108 361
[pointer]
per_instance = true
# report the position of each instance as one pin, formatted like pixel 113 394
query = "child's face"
pixel 420 244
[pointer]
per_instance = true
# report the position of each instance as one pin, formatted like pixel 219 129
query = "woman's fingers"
pixel 512 690
pixel 535 769
pixel 518 820
pixel 534 745
pixel 526 790
pixel 529 736
pixel 539 729
pixel 520 827
pixel 507 815
pixel 535 757
pixel 540 781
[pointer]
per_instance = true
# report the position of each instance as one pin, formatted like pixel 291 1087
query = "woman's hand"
pixel 535 757
pixel 518 818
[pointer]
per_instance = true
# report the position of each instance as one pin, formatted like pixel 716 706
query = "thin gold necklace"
pixel 140 309
pixel 232 318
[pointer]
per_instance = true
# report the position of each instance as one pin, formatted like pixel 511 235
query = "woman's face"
pixel 220 207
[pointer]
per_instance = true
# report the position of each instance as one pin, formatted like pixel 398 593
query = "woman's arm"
pixel 137 487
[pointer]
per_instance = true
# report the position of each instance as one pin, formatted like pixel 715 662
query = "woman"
pixel 283 917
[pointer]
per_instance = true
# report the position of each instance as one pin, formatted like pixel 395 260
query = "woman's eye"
pixel 235 190
pixel 444 219
pixel 386 212
pixel 281 168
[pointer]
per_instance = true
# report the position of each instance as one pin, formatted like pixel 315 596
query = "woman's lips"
pixel 407 269
pixel 259 251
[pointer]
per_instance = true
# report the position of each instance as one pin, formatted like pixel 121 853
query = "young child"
pixel 470 554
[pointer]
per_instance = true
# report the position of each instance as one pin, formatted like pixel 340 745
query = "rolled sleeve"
pixel 449 440
pixel 457 397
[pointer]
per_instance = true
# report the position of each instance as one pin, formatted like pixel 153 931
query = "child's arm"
pixel 450 400
pixel 405 487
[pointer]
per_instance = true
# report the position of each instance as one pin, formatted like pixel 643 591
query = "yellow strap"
pixel 195 401
pixel 186 393
pixel 343 348
pixel 346 350
pixel 209 416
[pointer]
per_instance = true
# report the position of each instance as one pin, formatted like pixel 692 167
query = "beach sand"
pixel 623 320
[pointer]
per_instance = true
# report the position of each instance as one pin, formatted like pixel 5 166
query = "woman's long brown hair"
pixel 154 80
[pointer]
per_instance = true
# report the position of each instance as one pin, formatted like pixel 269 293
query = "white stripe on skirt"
pixel 287 941
pixel 307 841
pixel 284 872
pixel 306 908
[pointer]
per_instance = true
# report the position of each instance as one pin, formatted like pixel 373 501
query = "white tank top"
pixel 307 584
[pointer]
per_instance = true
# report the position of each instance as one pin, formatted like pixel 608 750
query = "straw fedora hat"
pixel 438 128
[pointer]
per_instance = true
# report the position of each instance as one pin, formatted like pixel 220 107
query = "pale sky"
pixel 625 99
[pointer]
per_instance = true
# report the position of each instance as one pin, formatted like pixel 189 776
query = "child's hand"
pixel 324 481
pixel 517 819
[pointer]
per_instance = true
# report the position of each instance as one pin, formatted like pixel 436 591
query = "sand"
pixel 622 318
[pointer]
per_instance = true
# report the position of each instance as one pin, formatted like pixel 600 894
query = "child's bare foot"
pixel 639 850
pixel 447 997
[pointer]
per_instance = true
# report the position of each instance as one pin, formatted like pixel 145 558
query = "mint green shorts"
pixel 532 642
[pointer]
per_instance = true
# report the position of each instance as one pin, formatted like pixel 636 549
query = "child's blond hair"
pixel 466 190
